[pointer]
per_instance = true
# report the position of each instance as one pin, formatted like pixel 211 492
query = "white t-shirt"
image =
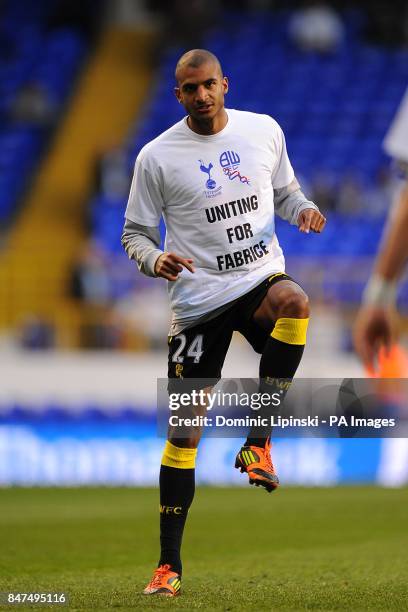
pixel 216 197
pixel 396 140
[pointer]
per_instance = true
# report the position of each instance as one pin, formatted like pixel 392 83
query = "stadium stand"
pixel 37 69
pixel 52 227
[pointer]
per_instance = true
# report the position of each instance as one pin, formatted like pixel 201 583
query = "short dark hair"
pixel 196 58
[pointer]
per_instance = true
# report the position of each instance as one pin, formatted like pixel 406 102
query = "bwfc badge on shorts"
pixel 229 162
pixel 179 370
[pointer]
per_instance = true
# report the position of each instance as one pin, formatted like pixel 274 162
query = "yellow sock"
pixel 291 331
pixel 177 457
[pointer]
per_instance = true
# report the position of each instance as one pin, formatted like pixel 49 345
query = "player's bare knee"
pixel 294 304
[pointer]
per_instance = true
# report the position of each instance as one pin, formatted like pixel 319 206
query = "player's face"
pixel 201 91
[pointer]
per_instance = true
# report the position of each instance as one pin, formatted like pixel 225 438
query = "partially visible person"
pixel 36 334
pixel 89 280
pixel 34 105
pixel 377 199
pixel 316 27
pixel 323 191
pixel 376 322
pixel 112 174
pixel 350 196
pixel 89 288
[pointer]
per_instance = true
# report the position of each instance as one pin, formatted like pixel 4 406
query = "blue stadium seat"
pixel 31 54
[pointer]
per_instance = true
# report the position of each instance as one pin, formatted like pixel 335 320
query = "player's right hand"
pixel 374 327
pixel 311 219
pixel 169 266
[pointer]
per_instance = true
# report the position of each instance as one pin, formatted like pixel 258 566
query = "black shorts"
pixel 199 351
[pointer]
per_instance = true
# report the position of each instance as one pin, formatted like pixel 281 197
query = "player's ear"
pixel 177 93
pixel 225 84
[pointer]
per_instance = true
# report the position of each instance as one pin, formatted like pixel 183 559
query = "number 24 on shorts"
pixel 194 350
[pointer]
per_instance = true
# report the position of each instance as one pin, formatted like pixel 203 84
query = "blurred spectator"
pixel 36 334
pixel 89 282
pixel 378 198
pixel 350 199
pixel 113 174
pixel 89 286
pixel 323 191
pixel 316 27
pixel 34 105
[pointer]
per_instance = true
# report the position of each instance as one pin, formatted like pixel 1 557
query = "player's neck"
pixel 206 127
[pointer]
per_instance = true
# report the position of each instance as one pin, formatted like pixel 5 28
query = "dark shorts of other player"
pixel 199 351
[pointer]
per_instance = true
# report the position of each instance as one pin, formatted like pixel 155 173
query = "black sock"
pixel 279 361
pixel 177 488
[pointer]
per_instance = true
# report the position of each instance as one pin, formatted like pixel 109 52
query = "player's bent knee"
pixel 292 323
pixel 295 305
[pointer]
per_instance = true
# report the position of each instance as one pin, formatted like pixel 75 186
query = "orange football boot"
pixel 164 582
pixel 257 463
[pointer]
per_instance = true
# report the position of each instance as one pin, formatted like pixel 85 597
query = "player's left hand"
pixel 311 219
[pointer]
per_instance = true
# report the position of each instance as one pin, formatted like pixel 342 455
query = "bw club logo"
pixel 179 370
pixel 229 159
pixel 229 162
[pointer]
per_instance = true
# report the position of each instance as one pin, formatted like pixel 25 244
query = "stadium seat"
pixel 31 55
